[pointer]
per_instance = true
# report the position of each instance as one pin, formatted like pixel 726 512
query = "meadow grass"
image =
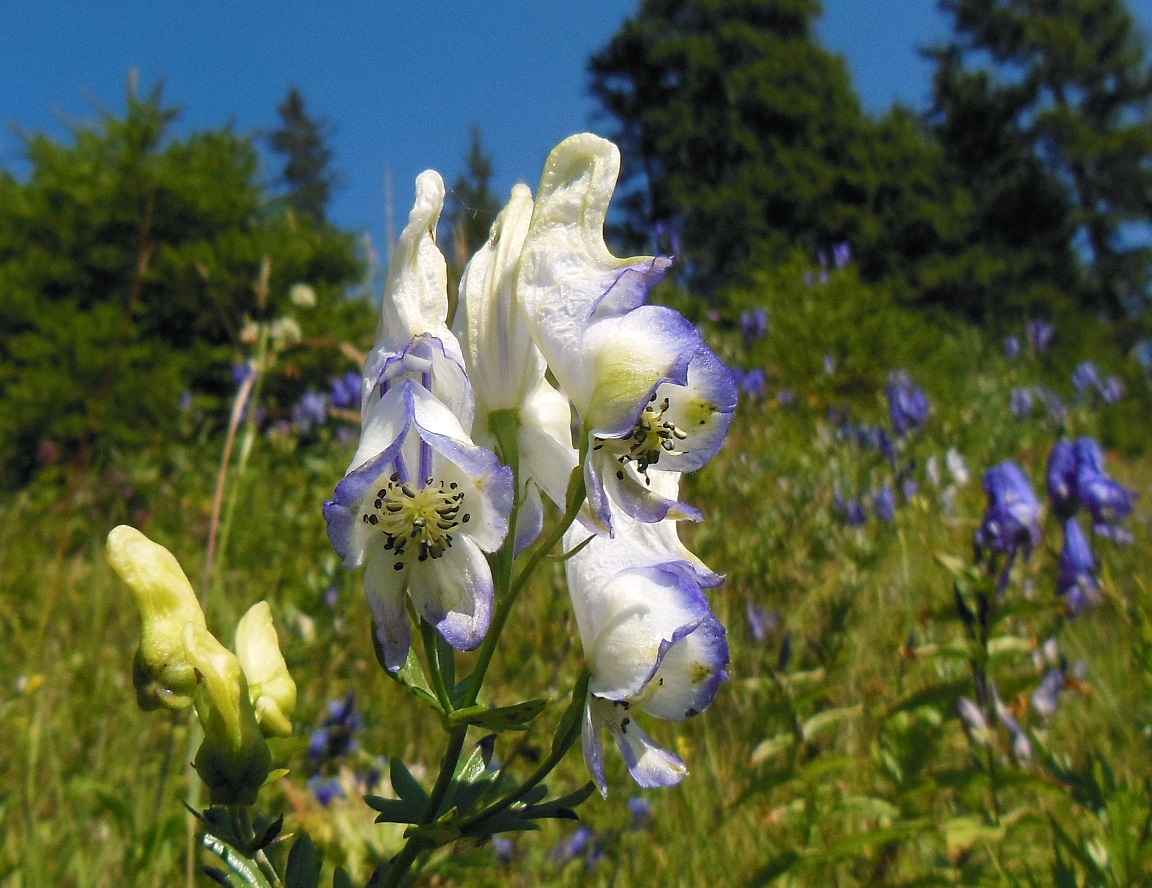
pixel 833 756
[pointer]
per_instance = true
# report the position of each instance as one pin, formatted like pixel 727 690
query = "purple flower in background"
pixel 310 410
pixel 1046 697
pixel 1061 479
pixel 640 813
pixel 1040 335
pixel 753 326
pixel 503 848
pixel 786 397
pixel 884 505
pixel 841 254
pixel 345 390
pixel 1012 347
pixel 761 623
pixel 809 280
pixel 1011 520
pixel 1085 379
pixel 1112 389
pixel 1052 403
pixel 829 364
pixel 851 511
pixel 1107 499
pixel 1077 583
pixel 241 372
pixel 335 736
pixel 907 403
pixel 326 790
pixel 572 847
pixel 185 402
pixel 1022 402
pixel 754 383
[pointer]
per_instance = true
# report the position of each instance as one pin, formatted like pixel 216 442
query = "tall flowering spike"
pixel 234 759
pixel 162 672
pixel 270 687
pixel 1061 479
pixel 507 369
pixel 419 506
pixel 646 388
pixel 412 339
pixel 1011 521
pixel 651 643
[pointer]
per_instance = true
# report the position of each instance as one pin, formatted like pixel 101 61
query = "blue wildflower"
pixel 310 410
pixel 851 511
pixel 326 790
pixel 761 623
pixel 1112 389
pixel 640 813
pixel 1012 347
pixel 345 390
pixel 1105 498
pixel 1077 582
pixel 829 364
pixel 1061 479
pixel 754 383
pixel 335 736
pixel 1046 697
pixel 1040 335
pixel 786 397
pixel 841 254
pixel 907 403
pixel 572 847
pixel 1052 403
pixel 1011 520
pixel 1022 402
pixel 753 326
pixel 884 504
pixel 1086 379
pixel 503 848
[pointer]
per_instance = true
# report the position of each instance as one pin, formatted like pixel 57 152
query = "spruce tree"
pixel 301 140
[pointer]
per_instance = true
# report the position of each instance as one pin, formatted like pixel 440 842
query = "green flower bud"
pixel 161 671
pixel 270 687
pixel 234 759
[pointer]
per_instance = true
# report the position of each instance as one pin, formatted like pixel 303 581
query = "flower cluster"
pixel 554 381
pixel 241 698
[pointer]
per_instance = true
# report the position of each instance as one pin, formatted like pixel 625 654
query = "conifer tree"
pixel 301 140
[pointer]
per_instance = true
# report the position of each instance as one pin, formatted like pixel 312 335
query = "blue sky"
pixel 401 82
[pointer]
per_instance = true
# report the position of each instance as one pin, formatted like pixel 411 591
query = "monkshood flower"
pixel 311 410
pixel 841 254
pixel 907 403
pixel 419 508
pixel 1012 347
pixel 1077 582
pixel 1040 335
pixel 1112 390
pixel 884 504
pixel 650 639
pixel 753 326
pixel 1022 402
pixel 412 338
pixel 336 735
pixel 1077 477
pixel 754 383
pixel 648 393
pixel 1011 520
pixel 1085 379
pixel 1046 697
pixel 507 370
pixel 345 391
pixel 850 510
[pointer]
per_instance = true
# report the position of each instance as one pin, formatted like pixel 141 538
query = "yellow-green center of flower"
pixel 423 517
pixel 652 437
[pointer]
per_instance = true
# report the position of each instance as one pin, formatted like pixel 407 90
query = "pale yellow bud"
pixel 234 759
pixel 270 687
pixel 161 672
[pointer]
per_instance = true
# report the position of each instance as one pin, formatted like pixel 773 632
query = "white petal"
pixel 454 593
pixel 384 587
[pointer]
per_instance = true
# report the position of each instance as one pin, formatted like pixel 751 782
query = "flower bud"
pixel 270 687
pixel 161 671
pixel 234 759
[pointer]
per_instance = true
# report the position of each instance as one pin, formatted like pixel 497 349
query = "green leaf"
pixel 303 864
pixel 411 675
pixel 407 787
pixel 504 718
pixel 775 868
pixel 341 879
pixel 395 810
pixel 242 871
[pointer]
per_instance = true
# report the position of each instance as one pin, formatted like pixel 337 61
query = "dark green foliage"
pixel 1046 109
pixel 127 269
pixel 300 140
pixel 738 129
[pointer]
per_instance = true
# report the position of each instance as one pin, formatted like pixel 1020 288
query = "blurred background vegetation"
pixel 820 248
